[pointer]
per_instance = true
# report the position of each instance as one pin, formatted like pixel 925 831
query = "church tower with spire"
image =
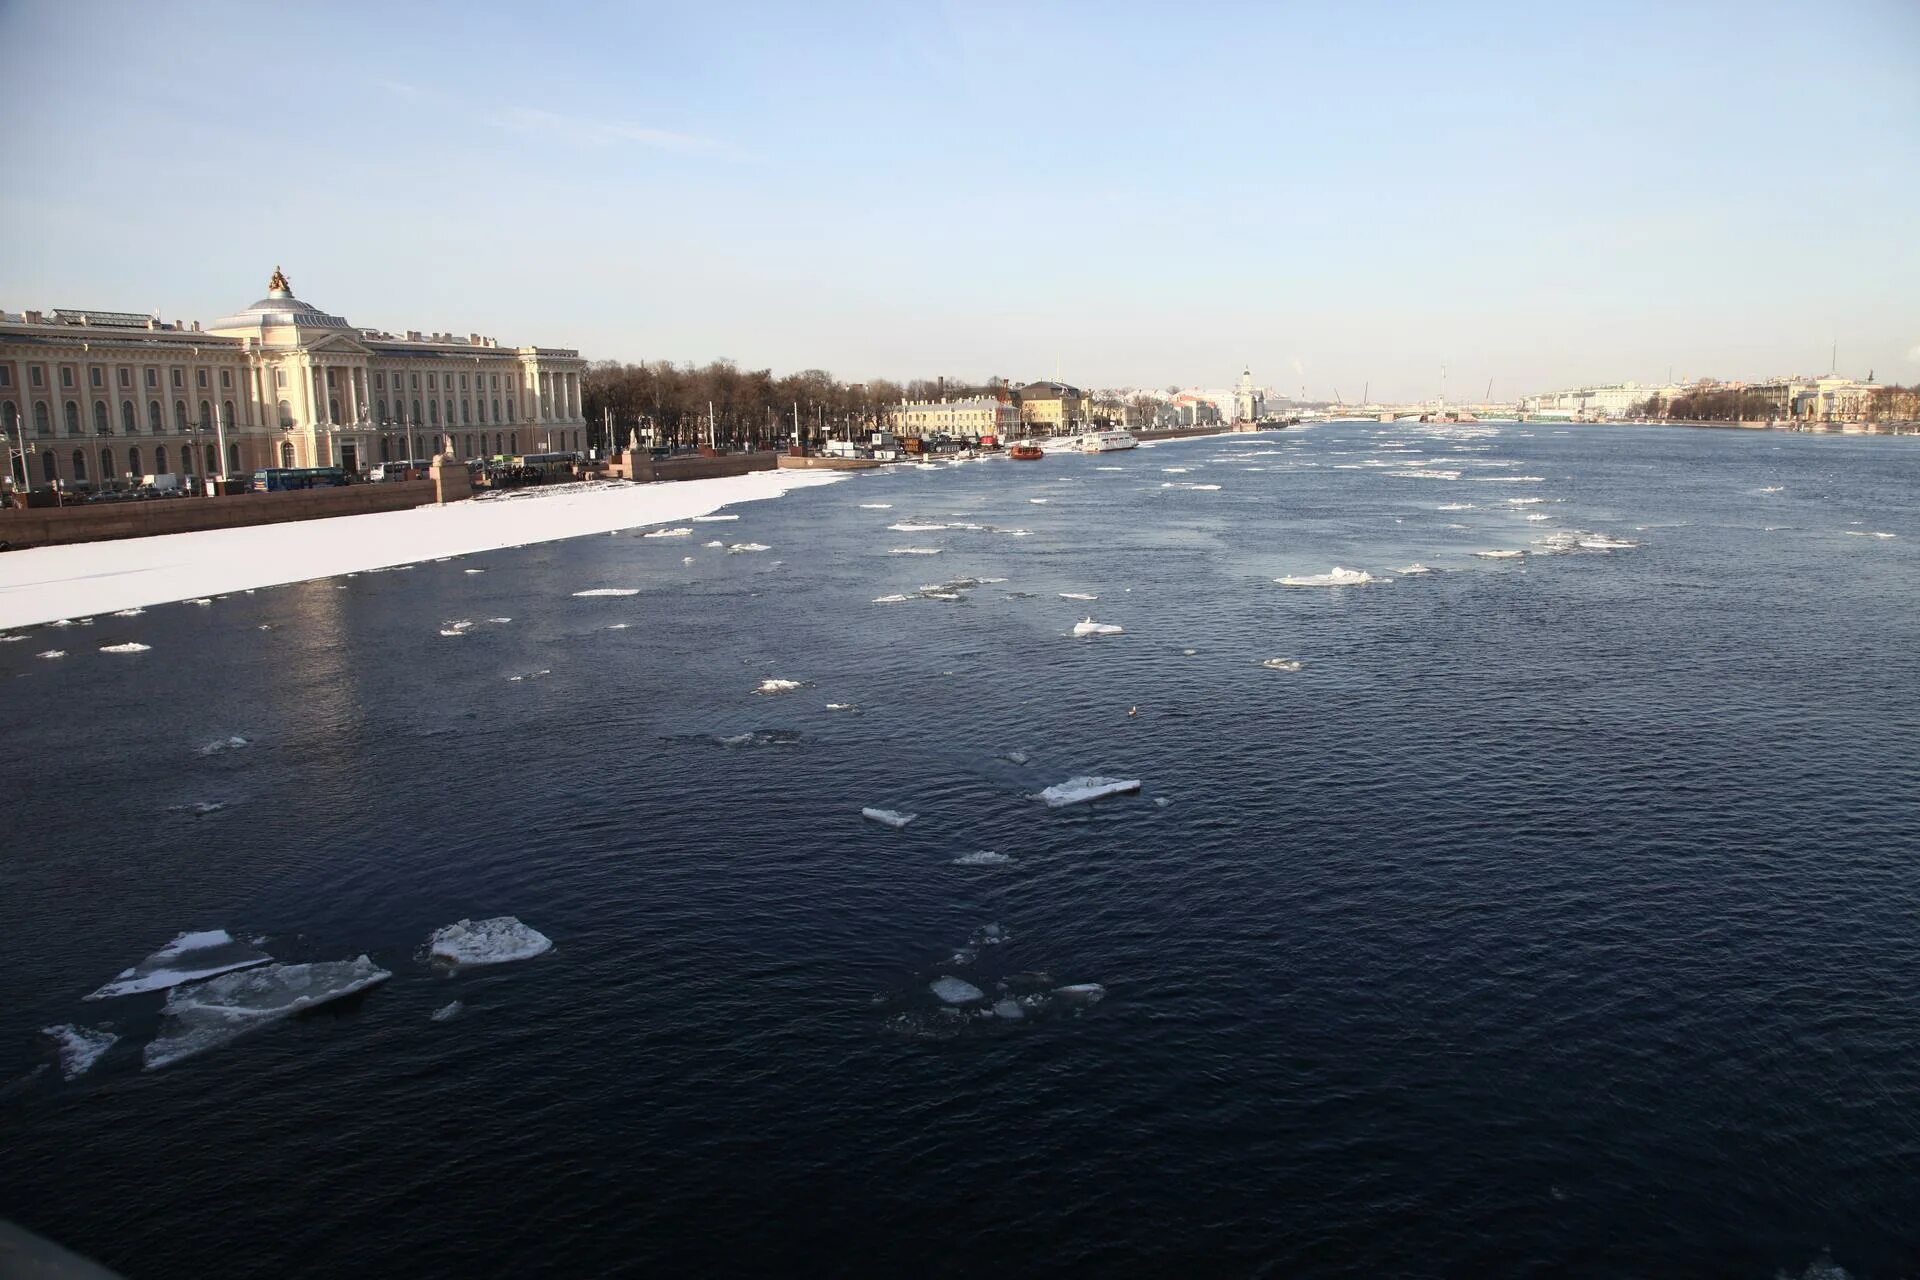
pixel 1247 406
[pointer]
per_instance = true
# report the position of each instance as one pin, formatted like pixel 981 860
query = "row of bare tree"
pixel 1726 404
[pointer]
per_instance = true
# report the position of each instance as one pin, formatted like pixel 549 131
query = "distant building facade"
pixel 103 396
pixel 968 419
pixel 1053 408
pixel 1248 403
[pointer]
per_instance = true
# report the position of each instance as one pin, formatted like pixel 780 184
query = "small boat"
pixel 1026 451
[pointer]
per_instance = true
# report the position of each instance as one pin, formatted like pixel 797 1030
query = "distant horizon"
pixel 906 194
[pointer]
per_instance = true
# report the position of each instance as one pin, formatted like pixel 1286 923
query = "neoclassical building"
pixel 104 396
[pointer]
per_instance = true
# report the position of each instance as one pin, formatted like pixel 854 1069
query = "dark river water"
pixel 1560 916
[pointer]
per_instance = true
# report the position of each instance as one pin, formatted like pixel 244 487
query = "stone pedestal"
pixel 450 480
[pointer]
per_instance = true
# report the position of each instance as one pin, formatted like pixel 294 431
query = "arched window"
pixel 499 445
pixel 496 409
pixel 286 453
pixel 226 413
pixel 380 411
pixel 128 423
pixel 41 425
pixel 333 409
pixel 46 466
pixel 510 409
pixel 79 466
pixel 449 413
pixel 466 413
pixel 286 414
pixel 156 420
pixel 101 425
pixel 73 418
pixel 433 412
pixel 416 413
pixel 386 450
pixel 133 460
pixel 9 419
pixel 179 415
pixel 106 465
pixel 513 443
pixel 160 459
pixel 206 414
pixel 469 444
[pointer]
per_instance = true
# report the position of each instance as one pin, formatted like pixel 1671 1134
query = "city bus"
pixel 289 479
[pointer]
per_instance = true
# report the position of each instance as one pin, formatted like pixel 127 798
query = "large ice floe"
pixel 1088 627
pixel 79 1047
pixel 212 1013
pixel 888 817
pixel 467 944
pixel 956 990
pixel 189 957
pixel 1082 789
pixel 1334 577
pixel 41 584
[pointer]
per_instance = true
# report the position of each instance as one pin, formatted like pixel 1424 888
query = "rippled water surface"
pixel 1560 915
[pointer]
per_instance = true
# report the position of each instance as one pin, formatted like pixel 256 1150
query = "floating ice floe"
pixel 1088 627
pixel 79 1047
pixel 955 990
pixel 203 600
pixel 198 808
pixel 530 675
pixel 212 1013
pixel 1500 554
pixel 607 591
pixel 467 944
pixel 989 935
pixel 888 817
pixel 456 628
pixel 713 519
pixel 684 531
pixel 131 646
pixel 473 571
pixel 876 506
pixel 1109 468
pixel 914 551
pixel 1599 542
pixel 1774 488
pixel 619 626
pixel 1864 533
pixel 1082 789
pixel 1334 577
pixel 1424 475
pixel 984 858
pixel 909 526
pixel 1081 993
pixel 188 958
pixel 447 1012
pixel 128 613
pixel 51 653
pixel 1525 502
pixel 716 543
pixel 1535 516
pixel 1016 757
pixel 1176 470
pixel 1461 506
pixel 233 742
pixel 1283 664
pixel 499 622
pixel 775 684
pixel 1078 595
pixel 746 548
pixel 1181 484
pixel 1413 570
pixel 843 706
pixel 686 559
pixel 895 598
pixel 1038 502
pixel 1009 1008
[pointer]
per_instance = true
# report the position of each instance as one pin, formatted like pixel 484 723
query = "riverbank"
pixel 45 584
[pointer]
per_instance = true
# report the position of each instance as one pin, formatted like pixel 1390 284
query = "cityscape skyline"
pixel 982 192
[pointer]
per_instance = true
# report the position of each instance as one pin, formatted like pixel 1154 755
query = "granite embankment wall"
pixel 99 522
pixel 689 466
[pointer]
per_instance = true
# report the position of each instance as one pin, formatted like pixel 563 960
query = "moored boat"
pixel 1026 451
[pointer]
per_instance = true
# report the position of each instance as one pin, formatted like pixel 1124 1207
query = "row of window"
pixel 189 463
pixel 97 376
pixel 103 423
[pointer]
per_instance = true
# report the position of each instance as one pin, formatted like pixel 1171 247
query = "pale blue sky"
pixel 1336 193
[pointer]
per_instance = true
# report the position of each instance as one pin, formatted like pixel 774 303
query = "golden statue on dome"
pixel 279 282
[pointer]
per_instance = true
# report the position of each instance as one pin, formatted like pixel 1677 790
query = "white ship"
pixel 1101 442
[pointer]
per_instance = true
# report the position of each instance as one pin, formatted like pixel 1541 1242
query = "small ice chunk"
pixel 1082 789
pixel 128 613
pixel 1081 993
pixel 743 548
pixel 876 506
pixel 895 598
pixel 473 571
pixel 201 601
pixel 1089 627
pixel 131 646
pixel 210 1014
pixel 530 675
pixel 984 858
pixel 1500 555
pixel 843 706
pixel 1602 543
pixel 52 653
pixel 774 684
pixel 79 1047
pixel 1038 502
pixel 1078 595
pixel 956 990
pixel 1017 757
pixel 1008 1008
pixel 914 551
pixel 684 531
pixel 910 526
pixel 1334 577
pixel 189 957
pixel 607 591
pixel 468 943
pixel 713 519
pixel 1283 664
pixel 989 935
pixel 447 1012
pixel 1414 570
pixel 198 808
pixel 888 817
pixel 232 742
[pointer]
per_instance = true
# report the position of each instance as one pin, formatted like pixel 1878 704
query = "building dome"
pixel 280 308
